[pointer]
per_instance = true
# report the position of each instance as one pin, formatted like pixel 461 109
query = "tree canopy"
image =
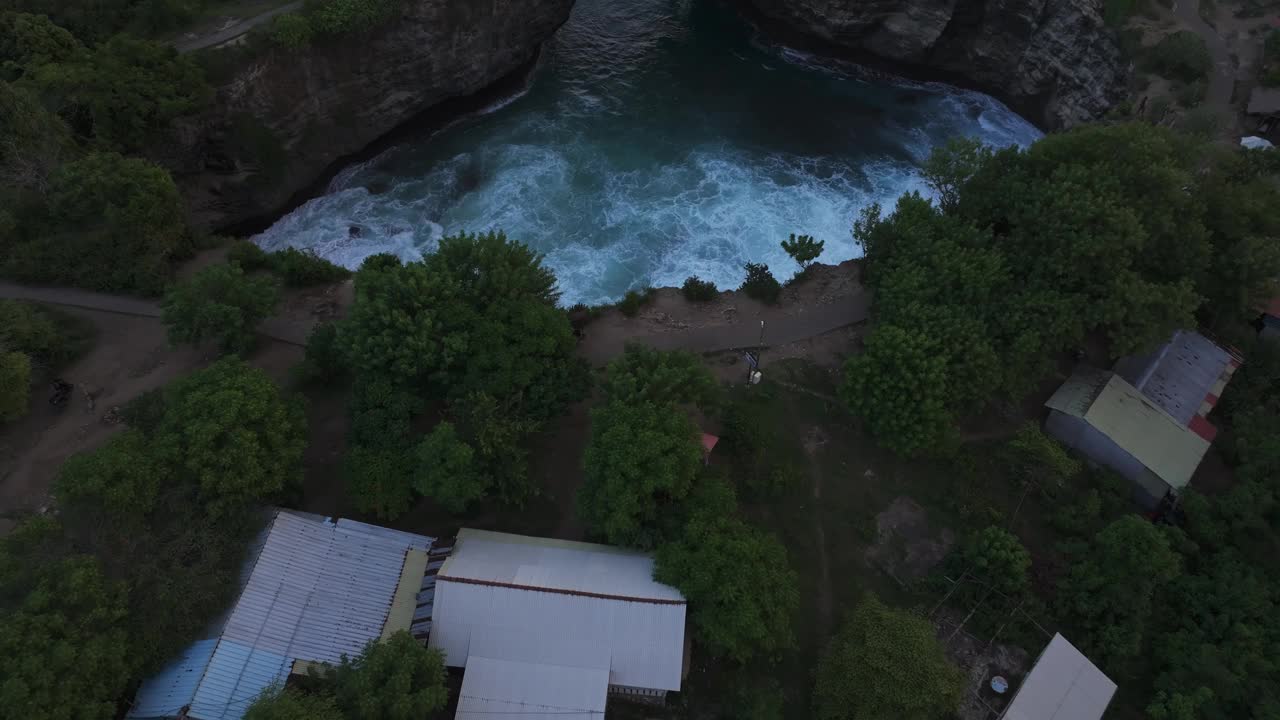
pixel 394 679
pixel 741 590
pixel 290 704
pixel 885 663
pixel 219 303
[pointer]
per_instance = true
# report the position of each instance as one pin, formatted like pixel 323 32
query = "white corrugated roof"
pixel 1063 685
pixel 523 691
pixel 317 590
pixel 526 600
pixel 555 564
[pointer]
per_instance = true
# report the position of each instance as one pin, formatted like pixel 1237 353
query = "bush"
pixel 1192 94
pixel 761 284
pixel 323 360
pixel 219 303
pixel 634 300
pixel 394 679
pixel 340 17
pixel 15 385
pixel 111 223
pixel 1180 56
pixel 51 338
pixel 145 411
pixel 291 31
pixel 299 268
pixel 446 470
pixel 695 289
pixel 1200 123
pixel 248 256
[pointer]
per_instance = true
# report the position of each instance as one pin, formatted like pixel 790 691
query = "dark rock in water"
pixel 332 100
pixel 1054 61
pixel 353 231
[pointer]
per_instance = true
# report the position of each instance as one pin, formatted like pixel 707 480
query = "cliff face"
pixel 1054 61
pixel 286 116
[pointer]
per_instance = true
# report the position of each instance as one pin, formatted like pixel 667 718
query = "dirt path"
pixel 814 440
pixel 283 329
pixel 832 298
pixel 1222 79
pixel 228 32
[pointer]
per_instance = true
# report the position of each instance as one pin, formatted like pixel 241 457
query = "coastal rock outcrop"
pixel 282 117
pixel 1054 61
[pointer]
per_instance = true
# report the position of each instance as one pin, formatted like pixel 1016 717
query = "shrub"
pixel 696 289
pixel 145 411
pixel 51 338
pixel 291 31
pixel 634 300
pixel 303 268
pixel 394 679
pixel 219 303
pixel 1200 123
pixel 323 355
pixel 339 17
pixel 761 284
pixel 1192 93
pixel 1180 56
pixel 446 470
pixel 248 256
pixel 15 385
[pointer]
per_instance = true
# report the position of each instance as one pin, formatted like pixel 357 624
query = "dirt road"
pixel 1222 78
pixel 201 40
pixel 276 328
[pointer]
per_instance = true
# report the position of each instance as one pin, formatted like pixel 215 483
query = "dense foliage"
pixel 35 343
pixel 446 470
pixel 475 324
pixel 15 385
pixel 394 679
pixel 1181 55
pixel 885 663
pixel 741 591
pixel 294 267
pixel 110 223
pixel 1106 231
pixel 644 451
pixel 996 558
pixel 149 543
pixel 290 704
pixel 219 303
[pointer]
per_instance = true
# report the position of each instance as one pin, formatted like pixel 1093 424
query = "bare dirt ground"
pixel 131 356
pixel 981 661
pixel 906 548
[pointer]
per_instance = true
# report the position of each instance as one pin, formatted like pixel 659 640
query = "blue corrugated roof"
pixel 175 686
pixel 318 589
pixel 237 675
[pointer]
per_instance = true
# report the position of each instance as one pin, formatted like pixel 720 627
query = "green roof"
pixel 1116 409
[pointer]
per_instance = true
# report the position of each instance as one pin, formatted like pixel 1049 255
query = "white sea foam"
pixel 620 195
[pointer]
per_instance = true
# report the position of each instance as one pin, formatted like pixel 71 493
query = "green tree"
pixel 33 143
pixel 1107 594
pixel 394 679
pixel 64 654
pixel 125 93
pixel 996 557
pixel 15 385
pixel 446 470
pixel 229 428
pixel 899 386
pixel 760 284
pixel 1034 458
pixel 111 223
pixel 379 465
pixel 219 303
pixel 803 249
pixel 741 591
pixel 662 377
pixel 641 460
pixel 29 41
pixel 122 478
pixel 496 432
pixel 885 663
pixel 288 704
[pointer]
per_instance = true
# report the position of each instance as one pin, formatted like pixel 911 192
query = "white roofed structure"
pixel 1063 685
pixel 549 625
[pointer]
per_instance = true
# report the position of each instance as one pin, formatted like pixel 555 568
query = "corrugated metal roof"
pixel 524 691
pixel 173 688
pixel 317 590
pixel 236 676
pixel 558 565
pixel 564 611
pixel 405 600
pixel 1180 374
pixel 1063 685
pixel 1116 409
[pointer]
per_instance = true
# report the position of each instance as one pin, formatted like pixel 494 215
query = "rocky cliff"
pixel 1054 61
pixel 285 116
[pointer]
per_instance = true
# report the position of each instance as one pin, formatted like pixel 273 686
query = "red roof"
pixel 709 441
pixel 1203 428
